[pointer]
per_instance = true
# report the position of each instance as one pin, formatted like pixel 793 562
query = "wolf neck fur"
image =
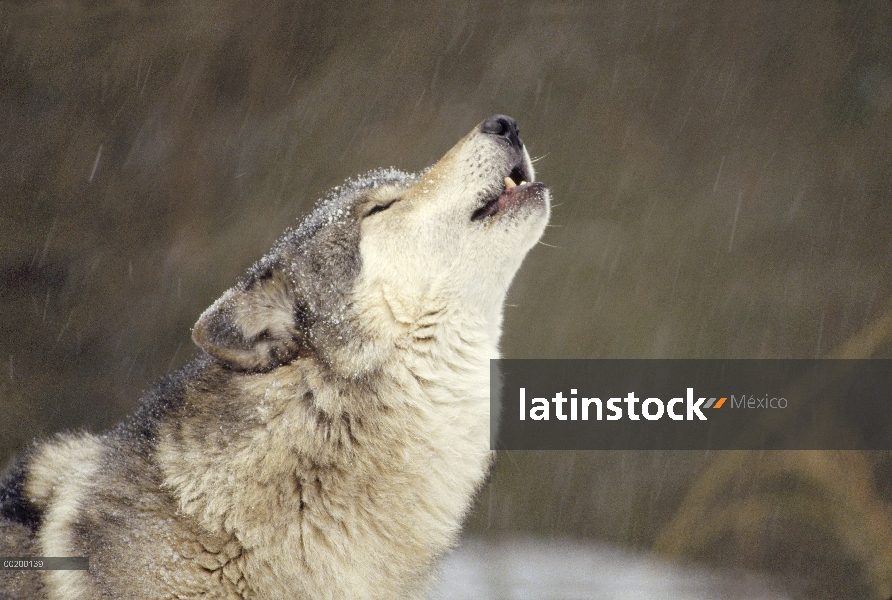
pixel 325 445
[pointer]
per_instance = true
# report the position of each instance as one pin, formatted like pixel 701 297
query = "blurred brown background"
pixel 722 174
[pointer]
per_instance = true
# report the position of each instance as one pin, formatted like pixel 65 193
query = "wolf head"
pixel 389 260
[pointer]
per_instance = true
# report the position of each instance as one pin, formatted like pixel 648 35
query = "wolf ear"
pixel 254 326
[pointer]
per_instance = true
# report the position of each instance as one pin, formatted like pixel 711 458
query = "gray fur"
pixel 330 438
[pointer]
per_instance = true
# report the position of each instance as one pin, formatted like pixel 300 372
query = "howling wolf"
pixel 330 436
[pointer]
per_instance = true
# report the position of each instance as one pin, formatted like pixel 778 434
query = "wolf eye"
pixel 381 207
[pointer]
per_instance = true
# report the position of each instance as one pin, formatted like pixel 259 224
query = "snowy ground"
pixel 528 569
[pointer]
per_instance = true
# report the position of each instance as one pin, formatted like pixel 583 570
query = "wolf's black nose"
pixel 505 127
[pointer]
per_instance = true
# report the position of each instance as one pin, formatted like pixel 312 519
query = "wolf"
pixel 331 434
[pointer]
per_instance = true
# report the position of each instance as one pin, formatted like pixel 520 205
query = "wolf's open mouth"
pixel 515 186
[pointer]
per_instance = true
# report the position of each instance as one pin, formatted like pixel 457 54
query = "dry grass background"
pixel 723 176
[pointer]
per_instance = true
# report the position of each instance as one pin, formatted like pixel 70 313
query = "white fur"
pixel 346 472
pixel 61 475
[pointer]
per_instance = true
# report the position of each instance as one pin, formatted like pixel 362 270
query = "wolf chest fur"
pixel 330 437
